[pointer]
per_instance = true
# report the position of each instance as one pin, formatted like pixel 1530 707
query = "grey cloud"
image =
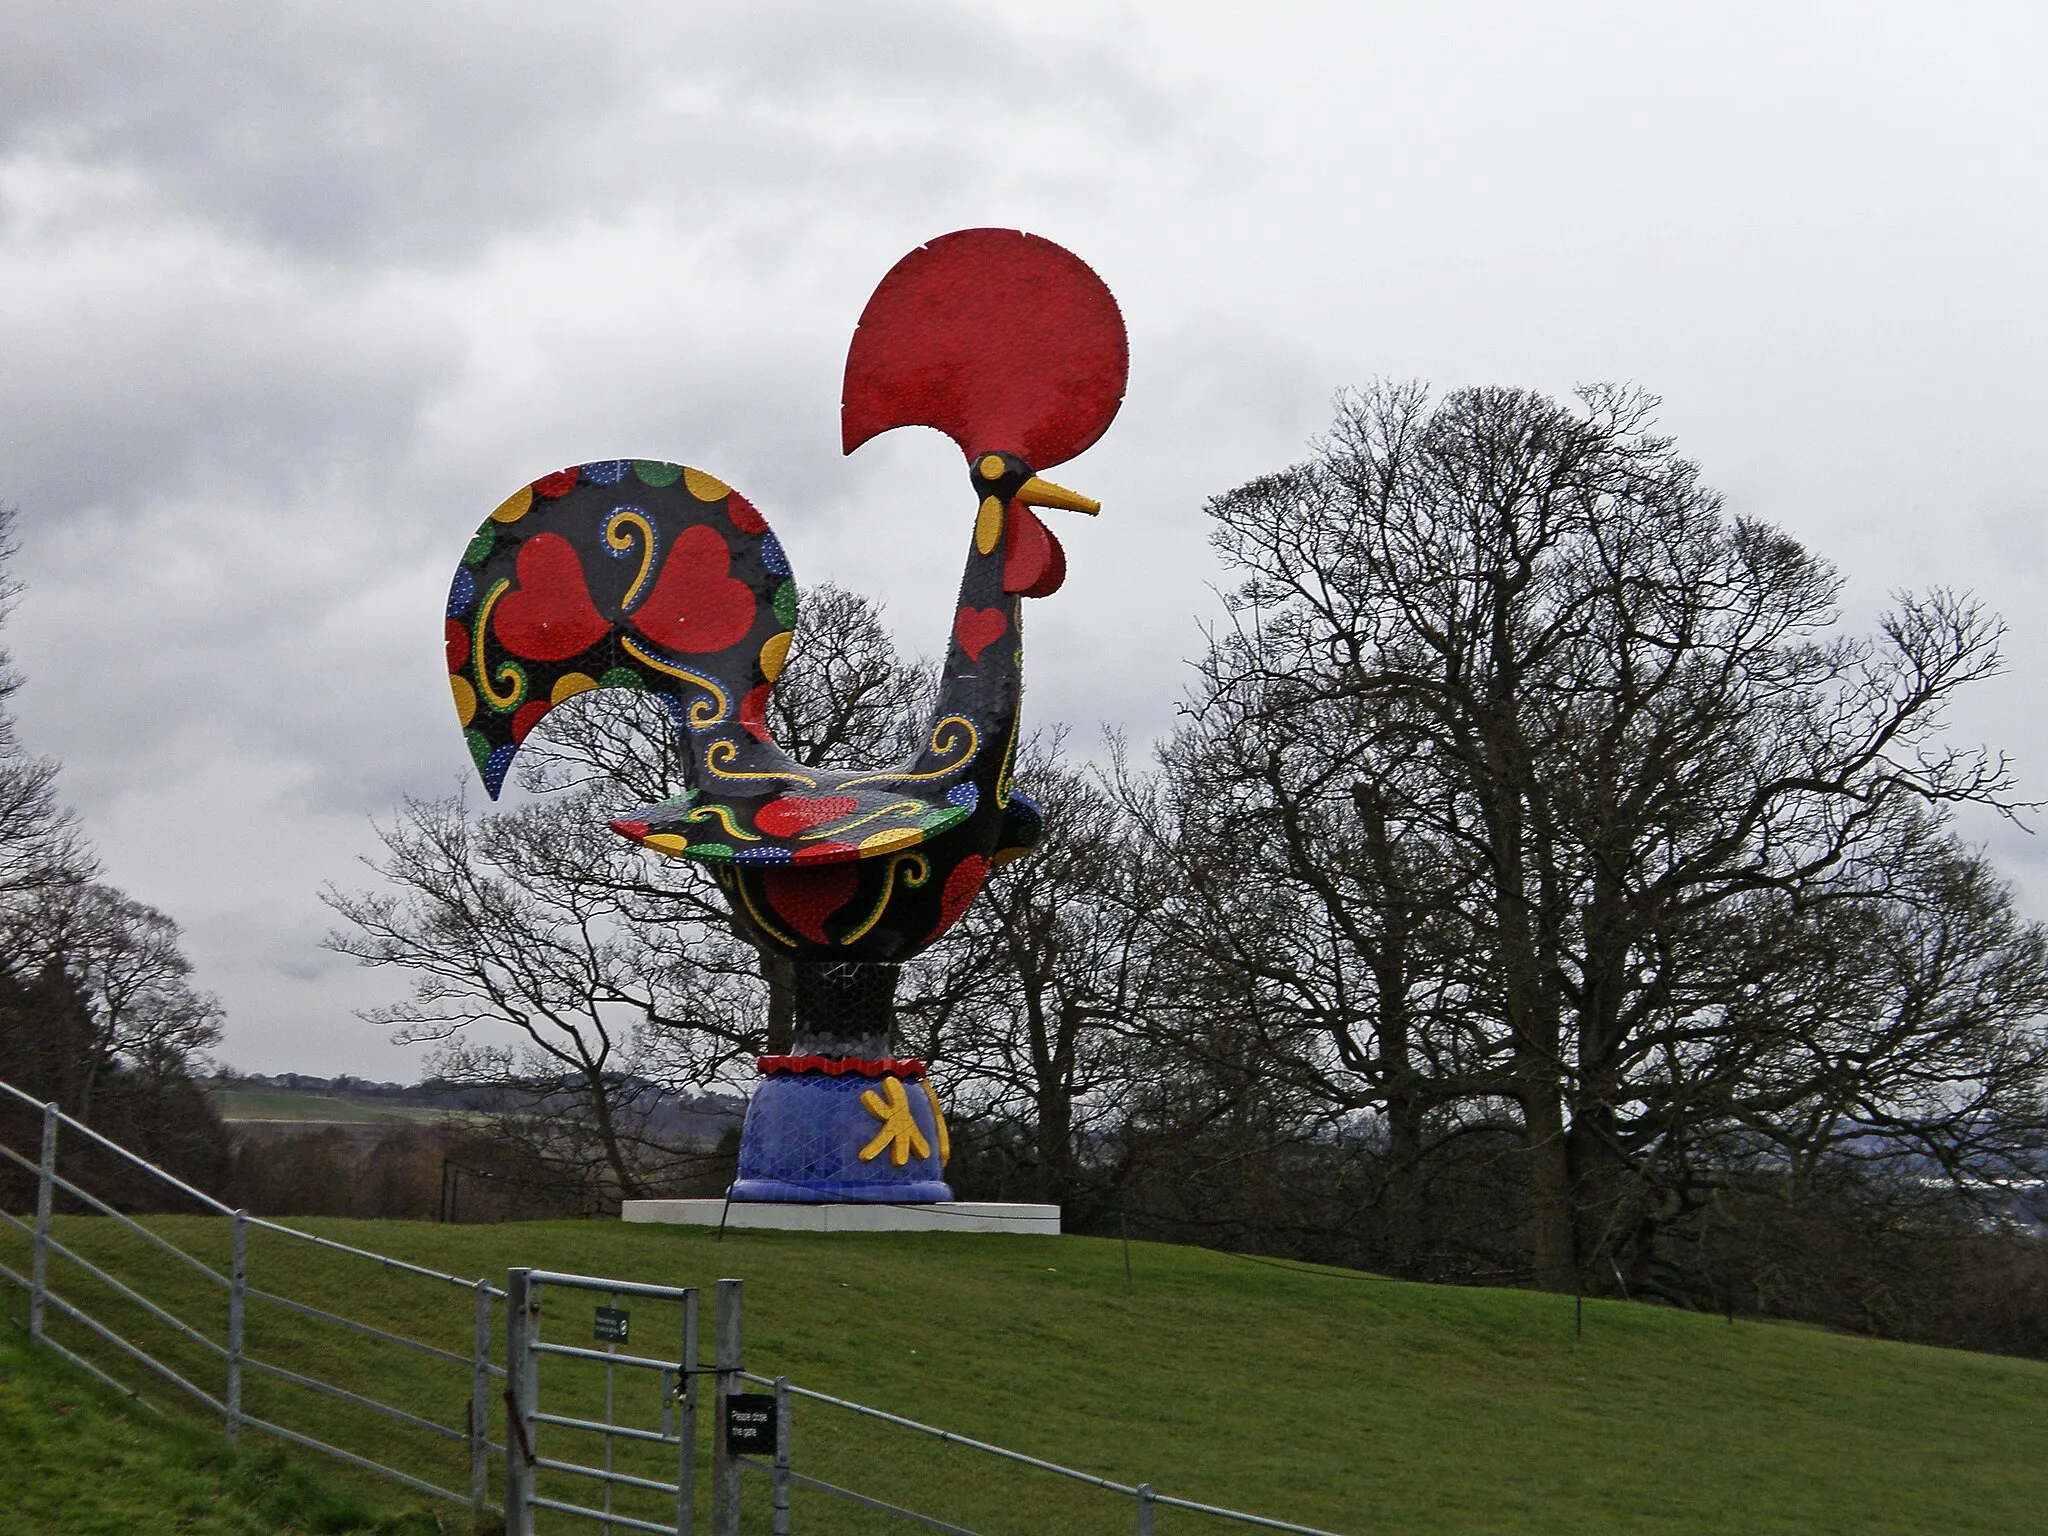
pixel 371 133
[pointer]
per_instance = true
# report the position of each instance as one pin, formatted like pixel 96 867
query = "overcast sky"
pixel 292 295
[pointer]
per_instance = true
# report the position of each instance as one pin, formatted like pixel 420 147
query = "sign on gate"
pixel 750 1424
pixel 610 1326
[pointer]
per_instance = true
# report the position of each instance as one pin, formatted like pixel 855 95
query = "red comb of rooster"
pixel 1000 339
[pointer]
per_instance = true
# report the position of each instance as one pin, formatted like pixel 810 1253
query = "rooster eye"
pixel 992 467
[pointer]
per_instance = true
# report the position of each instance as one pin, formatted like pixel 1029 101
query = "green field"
pixel 285 1106
pixel 1319 1396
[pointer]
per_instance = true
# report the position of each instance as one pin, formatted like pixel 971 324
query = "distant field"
pixel 1323 1396
pixel 284 1106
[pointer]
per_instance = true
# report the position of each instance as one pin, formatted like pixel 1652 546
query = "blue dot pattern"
pixel 497 766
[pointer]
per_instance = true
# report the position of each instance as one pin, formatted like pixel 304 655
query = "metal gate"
pixel 666 1436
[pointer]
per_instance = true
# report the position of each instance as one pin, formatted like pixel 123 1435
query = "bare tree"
pixel 41 848
pixel 124 964
pixel 547 951
pixel 1029 1000
pixel 1514 739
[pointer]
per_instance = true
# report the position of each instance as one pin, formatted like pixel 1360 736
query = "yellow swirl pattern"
pixel 916 877
pixel 840 829
pixel 509 671
pixel 618 537
pixel 723 815
pixel 724 750
pixel 1004 781
pixel 704 713
pixel 943 740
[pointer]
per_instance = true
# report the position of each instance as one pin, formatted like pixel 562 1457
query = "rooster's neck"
pixel 983 681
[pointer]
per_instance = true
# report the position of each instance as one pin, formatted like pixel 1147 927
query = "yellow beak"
pixel 1043 493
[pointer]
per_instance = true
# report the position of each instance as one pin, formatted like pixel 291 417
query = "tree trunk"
pixel 1055 1144
pixel 1553 1240
pixel 608 1138
pixel 1403 1200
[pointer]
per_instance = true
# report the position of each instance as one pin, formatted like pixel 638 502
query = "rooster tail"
pixel 629 573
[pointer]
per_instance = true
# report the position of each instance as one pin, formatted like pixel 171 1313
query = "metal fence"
pixel 738 1421
pixel 136 1329
pixel 645 1423
pixel 782 1476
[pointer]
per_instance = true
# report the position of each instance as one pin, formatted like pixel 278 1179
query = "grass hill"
pixel 1315 1395
pixel 76 1460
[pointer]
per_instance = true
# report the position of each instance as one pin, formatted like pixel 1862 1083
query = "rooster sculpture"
pixel 649 575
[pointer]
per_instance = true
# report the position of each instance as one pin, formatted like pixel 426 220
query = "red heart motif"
pixel 960 889
pixel 978 628
pixel 1034 565
pixel 790 814
pixel 754 712
pixel 696 605
pixel 550 617
pixel 806 897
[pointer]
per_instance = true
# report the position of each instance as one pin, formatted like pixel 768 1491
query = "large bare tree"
pixel 1527 776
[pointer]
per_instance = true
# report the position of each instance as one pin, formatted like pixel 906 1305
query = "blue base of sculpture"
pixel 804 1135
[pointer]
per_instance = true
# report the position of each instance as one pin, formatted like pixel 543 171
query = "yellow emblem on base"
pixel 899 1133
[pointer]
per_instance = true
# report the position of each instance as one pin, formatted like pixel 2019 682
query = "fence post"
pixel 480 1410
pixel 686 1420
pixel 238 1283
pixel 780 1502
pixel 39 1269
pixel 725 1470
pixel 518 1404
pixel 1144 1509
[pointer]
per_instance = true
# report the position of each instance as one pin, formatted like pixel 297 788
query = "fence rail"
pixel 228 1353
pixel 1147 1499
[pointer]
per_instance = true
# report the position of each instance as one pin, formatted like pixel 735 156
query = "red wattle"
pixel 1034 565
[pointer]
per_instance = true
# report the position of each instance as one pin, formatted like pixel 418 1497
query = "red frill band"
pixel 839 1066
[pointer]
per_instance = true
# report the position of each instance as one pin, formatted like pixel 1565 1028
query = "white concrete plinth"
pixel 945 1216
